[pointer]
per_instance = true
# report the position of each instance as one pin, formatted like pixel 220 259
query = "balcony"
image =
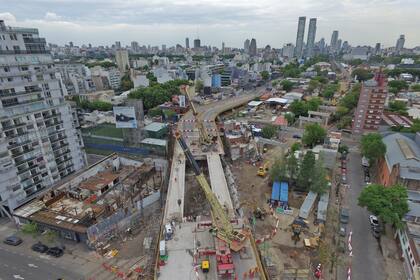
pixel 59 162
pixel 57 139
pixel 22 152
pixel 59 146
pixel 8 127
pixel 58 154
pixel 53 123
pixel 49 116
pixel 19 103
pixel 17 144
pixel 20 93
pixel 24 52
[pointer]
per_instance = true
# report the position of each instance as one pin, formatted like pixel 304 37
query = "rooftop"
pixel 155 126
pixel 99 181
pixel 153 141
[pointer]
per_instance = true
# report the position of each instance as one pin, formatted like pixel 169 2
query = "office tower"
pixel 334 40
pixel 39 143
pixel 288 50
pixel 117 45
pixel 253 47
pixel 187 43
pixel 299 37
pixel 322 45
pixel 163 48
pixel 370 106
pixel 246 46
pixel 400 43
pixel 339 42
pixel 121 57
pixel 223 47
pixel 197 43
pixel 378 48
pixel 345 47
pixel 311 37
pixel 135 47
pixel 71 44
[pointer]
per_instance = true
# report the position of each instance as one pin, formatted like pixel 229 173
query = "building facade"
pixel 311 38
pixel 400 43
pixel 334 41
pixel 40 143
pixel 253 47
pixel 299 37
pixel 121 57
pixel 370 106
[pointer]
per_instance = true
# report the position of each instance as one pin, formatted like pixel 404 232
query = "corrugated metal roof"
pixel 307 205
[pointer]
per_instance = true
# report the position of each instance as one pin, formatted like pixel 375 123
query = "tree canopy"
pixel 330 90
pixel 398 85
pixel 362 74
pixel 306 171
pixel 372 146
pixel 96 105
pixel 265 75
pixel 287 85
pixel 415 87
pixel 313 134
pixel 126 82
pixel 269 131
pixel 388 203
pixel 398 107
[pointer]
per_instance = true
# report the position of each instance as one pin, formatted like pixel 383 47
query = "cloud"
pixel 52 16
pixel 9 17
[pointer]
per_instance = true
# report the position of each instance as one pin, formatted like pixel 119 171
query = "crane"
pixel 221 222
pixel 204 136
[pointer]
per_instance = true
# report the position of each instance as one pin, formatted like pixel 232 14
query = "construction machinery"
pixel 262 170
pixel 222 226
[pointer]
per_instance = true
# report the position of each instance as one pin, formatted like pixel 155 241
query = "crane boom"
pixel 221 221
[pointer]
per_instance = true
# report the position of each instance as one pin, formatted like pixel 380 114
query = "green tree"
pixel 372 147
pixel 313 134
pixel 398 107
pixel 287 85
pixel 199 85
pixel 362 74
pixel 151 77
pixel 313 104
pixel 319 183
pixel 306 171
pixel 290 117
pixel 344 122
pixel 269 131
pixel 265 75
pixel 30 228
pixel 154 112
pixel 126 82
pixel 343 149
pixel 298 108
pixel 292 167
pixel 330 90
pixel 313 85
pixel 415 87
pixel 295 147
pixel 388 203
pixel 398 85
pixel 278 171
pixel 351 99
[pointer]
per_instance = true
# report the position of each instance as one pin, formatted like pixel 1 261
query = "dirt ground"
pixel 195 199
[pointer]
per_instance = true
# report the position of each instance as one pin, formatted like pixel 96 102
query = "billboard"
pixel 125 117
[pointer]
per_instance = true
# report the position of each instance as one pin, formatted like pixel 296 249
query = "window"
pixel 16 48
pixel 13 37
pixel 6 69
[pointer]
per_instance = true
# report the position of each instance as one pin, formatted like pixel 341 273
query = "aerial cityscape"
pixel 230 142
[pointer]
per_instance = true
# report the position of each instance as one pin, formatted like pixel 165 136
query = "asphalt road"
pixel 367 261
pixel 14 265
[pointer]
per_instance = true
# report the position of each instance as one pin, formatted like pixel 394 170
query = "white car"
pixel 373 221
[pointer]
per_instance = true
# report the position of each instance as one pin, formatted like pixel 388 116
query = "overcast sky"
pixel 168 22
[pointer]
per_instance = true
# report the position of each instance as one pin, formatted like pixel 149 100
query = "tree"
pixel 269 131
pixel 362 74
pixel 398 107
pixel 343 149
pixel 388 203
pixel 344 122
pixel 290 117
pixel 287 85
pixel 415 87
pixel 126 82
pixel 313 85
pixel 372 146
pixel 265 75
pixel 313 134
pixel 351 99
pixel 398 85
pixel 199 85
pixel 154 112
pixel 298 108
pixel 278 171
pixel 319 183
pixel 30 228
pixel 292 167
pixel 313 104
pixel 330 90
pixel 295 147
pixel 306 171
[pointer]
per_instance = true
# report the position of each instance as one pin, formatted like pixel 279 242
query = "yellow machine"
pixel 205 266
pixel 262 170
pixel 221 222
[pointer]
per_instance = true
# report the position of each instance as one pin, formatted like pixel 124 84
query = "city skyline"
pixel 157 22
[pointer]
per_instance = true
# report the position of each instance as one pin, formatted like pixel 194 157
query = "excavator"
pixel 222 226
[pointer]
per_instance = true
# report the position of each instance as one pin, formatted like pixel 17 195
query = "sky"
pixel 156 22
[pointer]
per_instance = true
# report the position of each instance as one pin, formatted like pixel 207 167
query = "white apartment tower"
pixel 39 138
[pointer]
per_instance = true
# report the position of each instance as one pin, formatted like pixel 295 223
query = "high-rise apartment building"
pixel 135 48
pixel 311 37
pixel 288 50
pixel 299 37
pixel 321 44
pixel 370 106
pixel 246 46
pixel 377 48
pixel 197 43
pixel 187 43
pixel 253 47
pixel 117 45
pixel 334 41
pixel 39 140
pixel 400 43
pixel 121 57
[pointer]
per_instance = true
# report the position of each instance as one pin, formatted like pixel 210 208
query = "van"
pixel 162 248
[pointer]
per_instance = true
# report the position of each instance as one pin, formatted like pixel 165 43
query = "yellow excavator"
pixel 263 170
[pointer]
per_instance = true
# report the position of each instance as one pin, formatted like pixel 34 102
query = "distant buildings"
pixel 288 50
pixel 187 43
pixel 368 114
pixel 311 37
pixel 246 46
pixel 253 47
pixel 40 143
pixel 121 57
pixel 400 44
pixel 334 41
pixel 299 37
pixel 197 43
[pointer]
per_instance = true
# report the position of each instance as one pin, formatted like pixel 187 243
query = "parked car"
pixel 39 247
pixel 55 252
pixel 376 231
pixel 343 230
pixel 12 240
pixel 297 136
pixel 344 215
pixel 374 222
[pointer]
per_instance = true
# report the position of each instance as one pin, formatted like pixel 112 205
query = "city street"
pixel 17 265
pixel 367 261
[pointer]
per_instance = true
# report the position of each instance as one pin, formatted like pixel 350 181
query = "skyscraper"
pixel 400 43
pixel 187 43
pixel 135 47
pixel 253 47
pixel 197 43
pixel 311 37
pixel 334 40
pixel 339 42
pixel 39 140
pixel 246 46
pixel 117 45
pixel 121 57
pixel 322 45
pixel 378 48
pixel 299 37
pixel 223 47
